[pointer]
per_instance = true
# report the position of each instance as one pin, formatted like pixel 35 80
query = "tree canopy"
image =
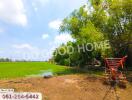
pixel 97 21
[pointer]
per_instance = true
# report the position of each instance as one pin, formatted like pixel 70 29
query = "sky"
pixel 29 29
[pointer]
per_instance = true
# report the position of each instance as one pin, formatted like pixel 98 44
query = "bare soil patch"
pixel 68 87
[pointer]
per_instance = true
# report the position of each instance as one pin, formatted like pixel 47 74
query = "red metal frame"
pixel 112 65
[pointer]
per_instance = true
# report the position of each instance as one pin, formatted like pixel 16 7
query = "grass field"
pixel 22 69
pixel 27 69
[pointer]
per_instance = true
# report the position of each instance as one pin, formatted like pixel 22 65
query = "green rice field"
pixel 22 69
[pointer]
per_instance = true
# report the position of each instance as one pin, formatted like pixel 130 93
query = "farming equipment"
pixel 114 71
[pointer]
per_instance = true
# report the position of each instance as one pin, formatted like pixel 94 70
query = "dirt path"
pixel 68 87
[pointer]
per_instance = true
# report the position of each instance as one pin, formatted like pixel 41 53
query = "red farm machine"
pixel 114 71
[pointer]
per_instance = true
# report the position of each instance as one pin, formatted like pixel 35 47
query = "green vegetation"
pixel 97 21
pixel 103 20
pixel 24 69
pixel 21 69
pixel 5 60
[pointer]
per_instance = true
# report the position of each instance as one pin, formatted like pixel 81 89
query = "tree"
pixel 5 60
pixel 104 19
pixel 80 26
pixel 116 22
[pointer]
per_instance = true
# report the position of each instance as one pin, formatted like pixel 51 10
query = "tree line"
pixel 5 60
pixel 98 20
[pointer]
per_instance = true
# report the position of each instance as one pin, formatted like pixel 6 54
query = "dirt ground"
pixel 68 87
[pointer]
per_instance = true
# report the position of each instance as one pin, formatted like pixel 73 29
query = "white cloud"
pixel 23 46
pixel 58 40
pixel 55 24
pixel 36 4
pixel 40 2
pixel 45 36
pixel 35 9
pixel 13 11
pixel 29 52
pixel 1 30
pixel 63 38
pixel 43 2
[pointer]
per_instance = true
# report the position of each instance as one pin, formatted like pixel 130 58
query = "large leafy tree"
pixel 114 18
pixel 65 55
pixel 79 25
pixel 100 20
